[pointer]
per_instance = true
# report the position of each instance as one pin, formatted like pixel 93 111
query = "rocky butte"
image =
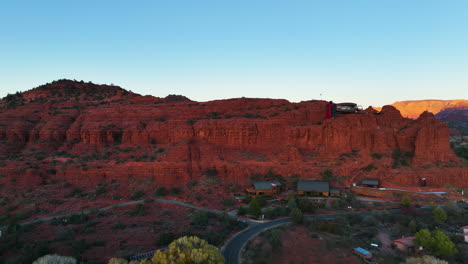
pixel 87 133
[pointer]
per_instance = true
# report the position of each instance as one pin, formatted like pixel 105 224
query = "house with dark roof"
pixel 371 183
pixel 313 188
pixel 335 192
pixel 265 188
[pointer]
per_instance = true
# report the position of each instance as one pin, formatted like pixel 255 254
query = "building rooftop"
pixel 334 190
pixel 362 251
pixel 264 185
pixel 368 181
pixel 408 241
pixel 313 186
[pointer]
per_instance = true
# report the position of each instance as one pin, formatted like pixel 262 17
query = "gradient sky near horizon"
pixel 372 52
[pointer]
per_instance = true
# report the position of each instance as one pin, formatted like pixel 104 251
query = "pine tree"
pixel 254 207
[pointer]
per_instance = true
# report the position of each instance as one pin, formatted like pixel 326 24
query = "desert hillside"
pixel 87 133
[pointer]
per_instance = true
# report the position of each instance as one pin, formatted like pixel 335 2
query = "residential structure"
pixel 335 192
pixel 362 253
pixel 465 233
pixel 313 188
pixel 405 244
pixel 265 188
pixel 371 183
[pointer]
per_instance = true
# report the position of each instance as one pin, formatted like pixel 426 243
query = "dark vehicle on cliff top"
pixel 348 108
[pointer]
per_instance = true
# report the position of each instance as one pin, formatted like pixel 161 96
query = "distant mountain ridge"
pixel 452 112
pixel 414 108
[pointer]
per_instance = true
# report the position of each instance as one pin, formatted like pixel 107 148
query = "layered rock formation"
pixel 87 133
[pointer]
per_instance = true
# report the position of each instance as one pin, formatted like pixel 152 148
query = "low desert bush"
pixel 55 259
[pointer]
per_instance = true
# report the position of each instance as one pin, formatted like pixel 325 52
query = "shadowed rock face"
pixel 89 133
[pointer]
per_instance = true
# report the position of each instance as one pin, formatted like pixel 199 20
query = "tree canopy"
pixel 296 215
pixel 254 207
pixel 436 242
pixel 425 260
pixel 55 259
pixel 439 214
pixel 189 250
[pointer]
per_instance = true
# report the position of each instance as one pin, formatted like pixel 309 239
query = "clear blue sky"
pixel 370 52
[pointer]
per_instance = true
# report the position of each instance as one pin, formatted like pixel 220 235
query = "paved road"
pixel 375 200
pixel 157 200
pixel 401 190
pixel 231 251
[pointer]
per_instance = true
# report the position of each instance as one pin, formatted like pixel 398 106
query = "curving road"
pixel 231 251
pixel 157 200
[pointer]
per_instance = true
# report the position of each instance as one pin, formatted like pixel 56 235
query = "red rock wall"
pixel 176 140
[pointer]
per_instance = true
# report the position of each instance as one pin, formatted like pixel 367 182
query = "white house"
pixel 465 233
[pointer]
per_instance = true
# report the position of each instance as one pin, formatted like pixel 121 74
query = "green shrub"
pixel 272 213
pixel 138 210
pixel 76 219
pixel 228 202
pixel 306 206
pixel 211 173
pixel 461 152
pixel 327 175
pixel 406 201
pixel 439 214
pixel 193 183
pixel 254 207
pixel 76 192
pixel 176 191
pixel 55 201
pixel 79 246
pixel 369 167
pixel 101 189
pixel 160 191
pixel 200 219
pixel 242 210
pixel 119 225
pixel 55 259
pixel 137 195
pixel 274 238
pixel 165 239
pixel 296 215
pixel 401 158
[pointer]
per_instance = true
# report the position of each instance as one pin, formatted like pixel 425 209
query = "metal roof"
pixel 313 186
pixel 370 181
pixel 362 251
pixel 334 190
pixel 265 185
pixel 408 241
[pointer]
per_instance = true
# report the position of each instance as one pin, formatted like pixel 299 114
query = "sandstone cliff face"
pixel 114 134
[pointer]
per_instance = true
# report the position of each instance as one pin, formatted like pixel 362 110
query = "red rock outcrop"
pixel 88 134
